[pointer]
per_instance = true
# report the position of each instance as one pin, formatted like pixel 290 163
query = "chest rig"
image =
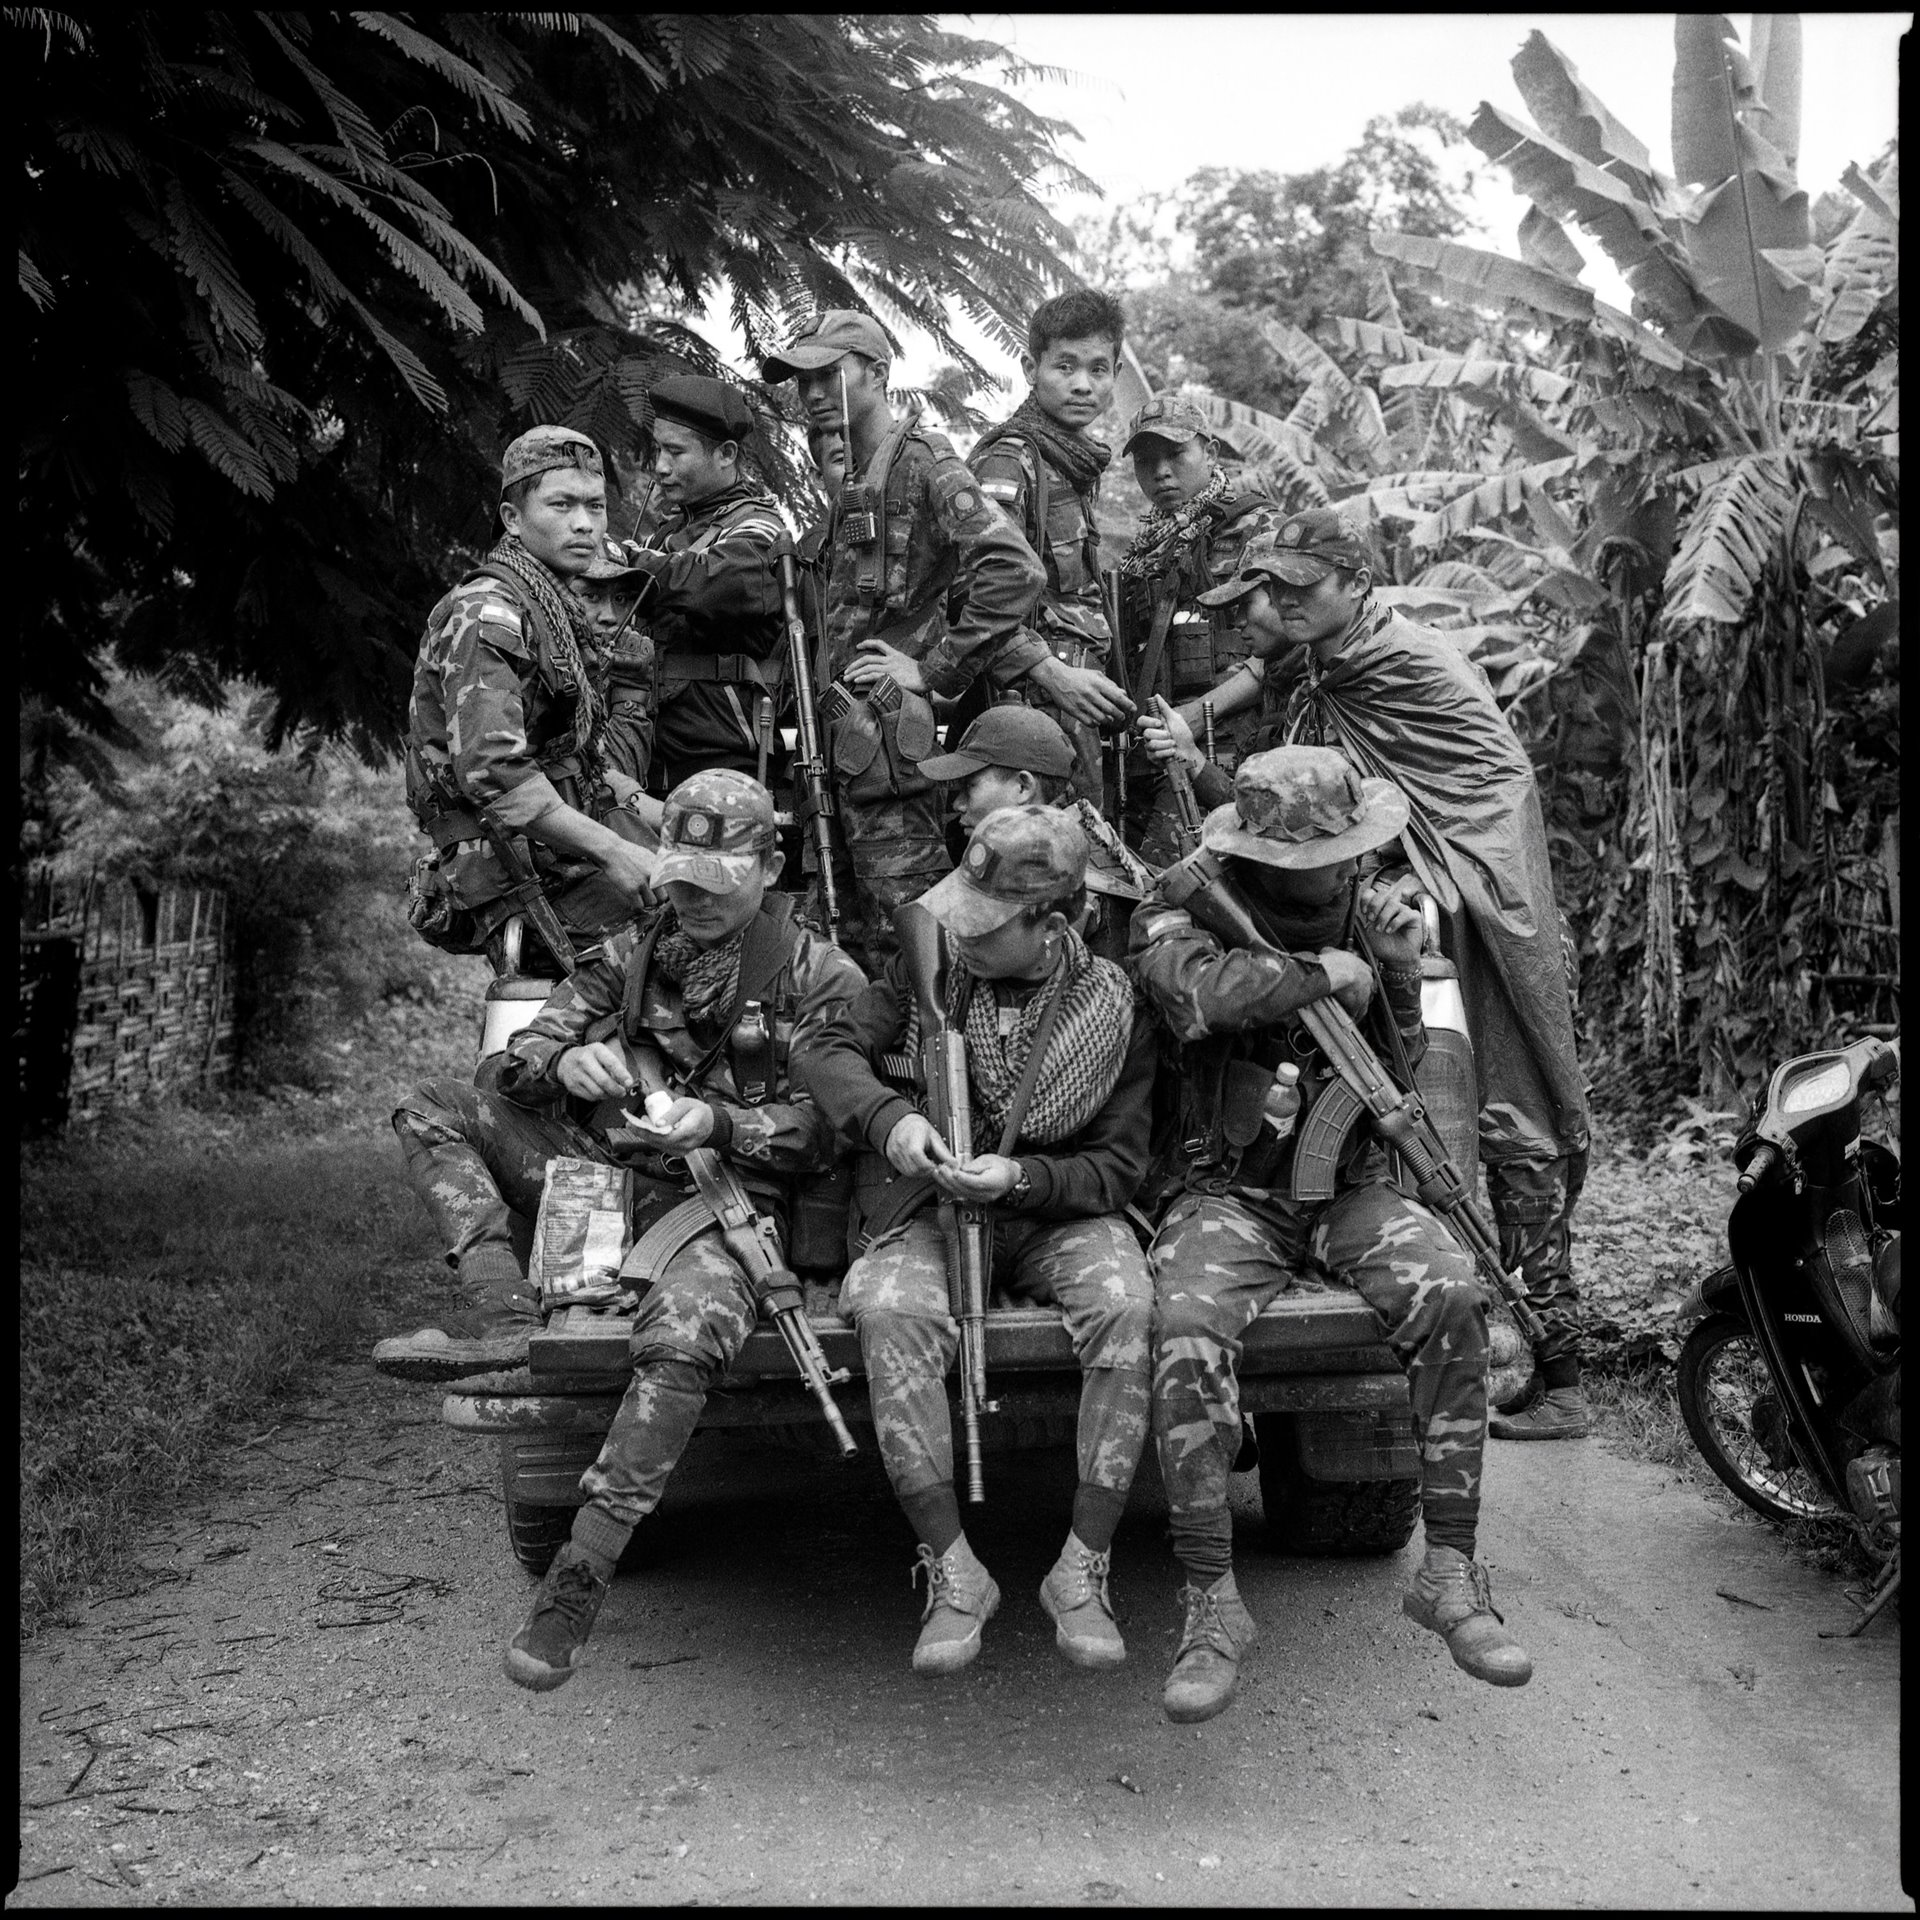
pixel 1198 645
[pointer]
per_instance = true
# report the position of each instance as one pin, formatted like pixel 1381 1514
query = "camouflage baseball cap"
pixel 1168 417
pixel 541 449
pixel 823 340
pixel 1018 857
pixel 1020 738
pixel 1305 548
pixel 613 561
pixel 713 830
pixel 1303 807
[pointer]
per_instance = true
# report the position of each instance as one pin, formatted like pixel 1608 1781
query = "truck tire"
pixel 1308 1512
pixel 537 1529
pixel 536 1534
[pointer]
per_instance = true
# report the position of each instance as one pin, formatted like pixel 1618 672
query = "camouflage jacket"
pixel 1229 1010
pixel 1016 475
pixel 490 722
pixel 1203 644
pixel 764 1122
pixel 942 541
pixel 714 615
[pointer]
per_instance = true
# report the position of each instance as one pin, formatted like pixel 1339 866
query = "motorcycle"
pixel 1790 1384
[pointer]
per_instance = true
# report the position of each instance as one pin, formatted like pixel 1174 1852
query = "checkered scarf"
pixel 1161 534
pixel 708 977
pixel 576 650
pixel 1081 1066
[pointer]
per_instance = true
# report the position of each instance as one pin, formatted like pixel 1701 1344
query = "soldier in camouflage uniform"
pixel 1192 540
pixel 910 534
pixel 713 609
pixel 1042 468
pixel 611 590
pixel 717 988
pixel 1404 702
pixel 519 717
pixel 1058 1172
pixel 1237 1237
pixel 1015 756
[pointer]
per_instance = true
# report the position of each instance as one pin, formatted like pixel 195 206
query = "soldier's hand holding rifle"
pixel 915 1146
pixel 1167 735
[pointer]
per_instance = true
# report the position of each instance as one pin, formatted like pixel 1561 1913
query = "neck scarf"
pixel 1078 456
pixel 576 649
pixel 1161 534
pixel 708 977
pixel 1081 1066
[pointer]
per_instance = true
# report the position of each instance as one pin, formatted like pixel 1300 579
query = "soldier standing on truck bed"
pixel 1191 541
pixel 910 532
pixel 1237 1237
pixel 1042 468
pixel 1060 1075
pixel 717 986
pixel 713 607
pixel 1404 703
pixel 518 723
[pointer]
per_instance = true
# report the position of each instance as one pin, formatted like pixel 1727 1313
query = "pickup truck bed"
pixel 1329 1404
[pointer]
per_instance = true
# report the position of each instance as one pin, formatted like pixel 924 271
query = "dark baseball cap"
pixel 707 406
pixel 1300 551
pixel 823 340
pixel 1018 857
pixel 1020 738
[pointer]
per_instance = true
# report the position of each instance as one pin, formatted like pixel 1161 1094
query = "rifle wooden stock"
pixel 1186 804
pixel 1199 885
pixel 965 1226
pixel 752 1240
pixel 810 760
pixel 529 896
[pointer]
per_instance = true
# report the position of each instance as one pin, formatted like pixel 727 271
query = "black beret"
pixel 707 406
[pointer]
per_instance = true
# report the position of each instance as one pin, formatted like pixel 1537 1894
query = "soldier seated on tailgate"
pixel 1057 1169
pixel 1015 756
pixel 720 984
pixel 1237 1237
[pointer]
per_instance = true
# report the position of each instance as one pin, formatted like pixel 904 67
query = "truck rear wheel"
pixel 1347 1486
pixel 537 1529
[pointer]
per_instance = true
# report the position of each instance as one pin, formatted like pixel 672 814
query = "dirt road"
pixel 302 1701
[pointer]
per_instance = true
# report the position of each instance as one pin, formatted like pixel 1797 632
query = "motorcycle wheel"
pixel 1723 1385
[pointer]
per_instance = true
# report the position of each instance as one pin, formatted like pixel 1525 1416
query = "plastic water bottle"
pixel 1280 1109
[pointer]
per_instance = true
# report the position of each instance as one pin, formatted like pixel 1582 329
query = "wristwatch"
pixel 1023 1186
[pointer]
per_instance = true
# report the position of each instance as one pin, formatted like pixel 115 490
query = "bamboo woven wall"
pixel 155 1003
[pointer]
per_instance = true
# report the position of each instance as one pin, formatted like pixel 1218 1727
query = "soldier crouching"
pixel 1237 1237
pixel 1071 1132
pixel 717 987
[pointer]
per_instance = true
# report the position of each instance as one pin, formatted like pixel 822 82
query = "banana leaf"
pixel 1733 535
pixel 1550 85
pixel 1497 379
pixel 1882 194
pixel 1544 244
pixel 1711 83
pixel 1776 73
pixel 1486 278
pixel 1731 229
pixel 1499 498
pixel 1357 408
pixel 1862 268
pixel 1377 342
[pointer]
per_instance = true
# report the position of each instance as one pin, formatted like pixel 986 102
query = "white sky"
pixel 1159 95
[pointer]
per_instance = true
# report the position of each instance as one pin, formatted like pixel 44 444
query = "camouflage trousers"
pixel 1092 1270
pixel 890 851
pixel 1533 1202
pixel 473 1156
pixel 1218 1260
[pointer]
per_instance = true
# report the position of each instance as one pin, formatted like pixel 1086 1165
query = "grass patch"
pixel 183 1267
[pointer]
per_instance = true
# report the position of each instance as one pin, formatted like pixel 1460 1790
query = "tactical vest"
pixel 1069 547
pixel 678 665
pixel 1203 644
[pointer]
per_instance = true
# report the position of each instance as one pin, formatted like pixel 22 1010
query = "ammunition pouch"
pixel 821 1208
pixel 435 912
pixel 879 740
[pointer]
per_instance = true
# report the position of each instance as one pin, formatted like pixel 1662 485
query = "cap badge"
pixel 696 826
pixel 1291 532
pixel 976 856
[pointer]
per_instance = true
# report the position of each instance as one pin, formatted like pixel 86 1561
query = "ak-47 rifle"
pixel 1199 884
pixel 1186 803
pixel 529 896
pixel 811 759
pixel 1122 738
pixel 965 1224
pixel 753 1240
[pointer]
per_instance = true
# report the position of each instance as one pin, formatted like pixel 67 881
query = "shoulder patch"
pixel 1157 925
pixel 1005 491
pixel 501 615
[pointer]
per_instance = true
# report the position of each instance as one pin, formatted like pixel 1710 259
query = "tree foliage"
pixel 290 281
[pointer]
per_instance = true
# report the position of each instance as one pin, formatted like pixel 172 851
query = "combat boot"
pixel 544 1653
pixel 491 1336
pixel 1074 1598
pixel 1452 1597
pixel 1218 1635
pixel 961 1599
pixel 1561 1413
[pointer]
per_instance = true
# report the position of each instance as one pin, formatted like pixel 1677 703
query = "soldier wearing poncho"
pixel 519 713
pixel 1058 1177
pixel 1291 836
pixel 1405 704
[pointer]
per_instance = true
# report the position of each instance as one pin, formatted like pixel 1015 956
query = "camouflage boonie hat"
pixel 611 561
pixel 713 830
pixel 823 340
pixel 1301 807
pixel 1018 857
pixel 1168 417
pixel 1302 549
pixel 541 449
